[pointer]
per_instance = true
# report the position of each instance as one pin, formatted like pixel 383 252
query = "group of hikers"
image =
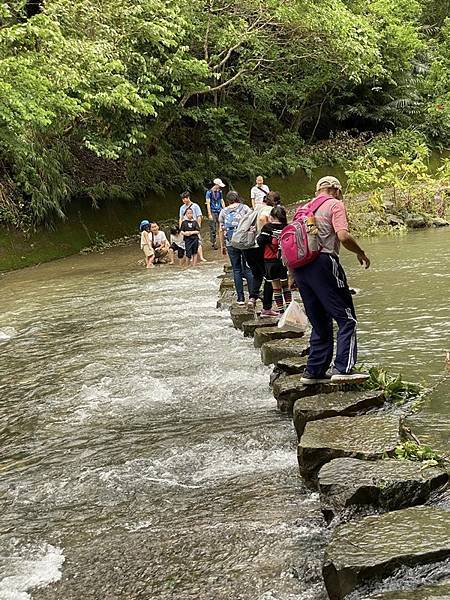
pixel 253 239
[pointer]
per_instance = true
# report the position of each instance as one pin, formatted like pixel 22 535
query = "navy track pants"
pixel 323 287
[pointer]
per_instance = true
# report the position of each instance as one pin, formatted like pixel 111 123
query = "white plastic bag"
pixel 294 317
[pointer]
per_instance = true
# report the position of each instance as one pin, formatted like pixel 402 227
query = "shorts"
pixel 176 248
pixel 275 270
pixel 147 250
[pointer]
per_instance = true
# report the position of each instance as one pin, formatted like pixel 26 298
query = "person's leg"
pixel 327 279
pixel 278 295
pixel 251 258
pixel 200 252
pixel 340 306
pixel 171 256
pixel 212 230
pixel 247 274
pixel 287 294
pixel 321 340
pixel 235 257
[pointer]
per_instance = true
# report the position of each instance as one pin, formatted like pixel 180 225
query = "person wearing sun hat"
pixel 214 204
pixel 146 243
pixel 326 296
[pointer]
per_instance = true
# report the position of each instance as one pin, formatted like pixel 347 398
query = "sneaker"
pixel 309 379
pixel 352 377
pixel 252 303
pixel 268 312
pixel 240 302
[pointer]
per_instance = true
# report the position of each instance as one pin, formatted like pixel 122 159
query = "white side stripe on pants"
pixel 340 283
pixel 351 352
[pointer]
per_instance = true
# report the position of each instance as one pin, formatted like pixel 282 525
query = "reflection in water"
pixel 142 455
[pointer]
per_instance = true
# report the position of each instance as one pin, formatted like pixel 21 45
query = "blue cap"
pixel 143 224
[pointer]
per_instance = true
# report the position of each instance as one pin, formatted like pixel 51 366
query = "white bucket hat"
pixel 218 182
pixel 328 182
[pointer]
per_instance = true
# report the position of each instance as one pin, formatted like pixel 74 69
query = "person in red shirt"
pixel 276 272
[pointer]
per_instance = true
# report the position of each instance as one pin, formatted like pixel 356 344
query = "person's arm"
pixel 208 204
pixel 252 198
pixel 349 242
pixel 199 217
pixel 265 237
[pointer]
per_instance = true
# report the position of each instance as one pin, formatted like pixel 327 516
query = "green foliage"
pixel 394 388
pixel 169 93
pixel 419 453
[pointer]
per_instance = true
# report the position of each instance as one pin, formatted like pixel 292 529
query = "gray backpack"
pixel 244 237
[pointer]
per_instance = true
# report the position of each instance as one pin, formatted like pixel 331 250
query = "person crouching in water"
pixel 146 244
pixel 276 272
pixel 191 231
pixel 177 246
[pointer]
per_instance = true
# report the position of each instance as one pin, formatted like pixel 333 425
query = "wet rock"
pixel 438 591
pixel 240 314
pixel 394 220
pixel 248 327
pixel 415 221
pixel 293 365
pixel 438 222
pixel 226 283
pixel 385 484
pixel 376 546
pixel 334 404
pixel 367 436
pixel 272 352
pixel 288 388
pixel 268 334
pixel 226 299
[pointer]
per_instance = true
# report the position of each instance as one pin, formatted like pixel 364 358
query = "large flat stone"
pixel 287 389
pixel 225 299
pixel 272 352
pixel 240 314
pixel 292 365
pixel 367 436
pixel 385 484
pixel 375 546
pixel 268 334
pixel 334 404
pixel 249 327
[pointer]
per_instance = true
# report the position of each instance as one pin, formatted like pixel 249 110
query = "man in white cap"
pixel 325 293
pixel 214 204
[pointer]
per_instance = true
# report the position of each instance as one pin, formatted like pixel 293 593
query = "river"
pixel 142 455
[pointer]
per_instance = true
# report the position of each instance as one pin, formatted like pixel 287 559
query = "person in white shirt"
pixel 146 244
pixel 258 191
pixel 159 243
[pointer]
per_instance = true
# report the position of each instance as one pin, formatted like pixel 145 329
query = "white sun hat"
pixel 218 182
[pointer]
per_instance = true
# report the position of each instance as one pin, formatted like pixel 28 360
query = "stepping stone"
pixel 334 404
pixel 375 547
pixel 292 365
pixel 272 352
pixel 226 299
pixel 240 314
pixel 437 591
pixel 387 484
pixel 368 437
pixel 249 327
pixel 227 283
pixel 268 334
pixel 288 388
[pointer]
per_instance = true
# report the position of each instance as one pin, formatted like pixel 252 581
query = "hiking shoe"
pixel 309 379
pixel 240 302
pixel 352 377
pixel 268 312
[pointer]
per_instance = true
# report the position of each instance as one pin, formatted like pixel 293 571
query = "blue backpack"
pixel 233 217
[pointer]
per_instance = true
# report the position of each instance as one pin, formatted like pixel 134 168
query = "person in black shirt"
pixel 191 231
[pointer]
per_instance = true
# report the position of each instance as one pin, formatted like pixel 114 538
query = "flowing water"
pixel 141 452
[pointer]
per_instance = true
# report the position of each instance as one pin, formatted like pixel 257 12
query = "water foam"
pixel 31 568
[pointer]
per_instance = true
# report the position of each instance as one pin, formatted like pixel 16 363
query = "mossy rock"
pixel 249 327
pixel 272 352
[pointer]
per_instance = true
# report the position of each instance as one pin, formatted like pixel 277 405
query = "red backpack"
pixel 298 246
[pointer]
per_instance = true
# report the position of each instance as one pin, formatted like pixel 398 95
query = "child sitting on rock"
pixel 177 245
